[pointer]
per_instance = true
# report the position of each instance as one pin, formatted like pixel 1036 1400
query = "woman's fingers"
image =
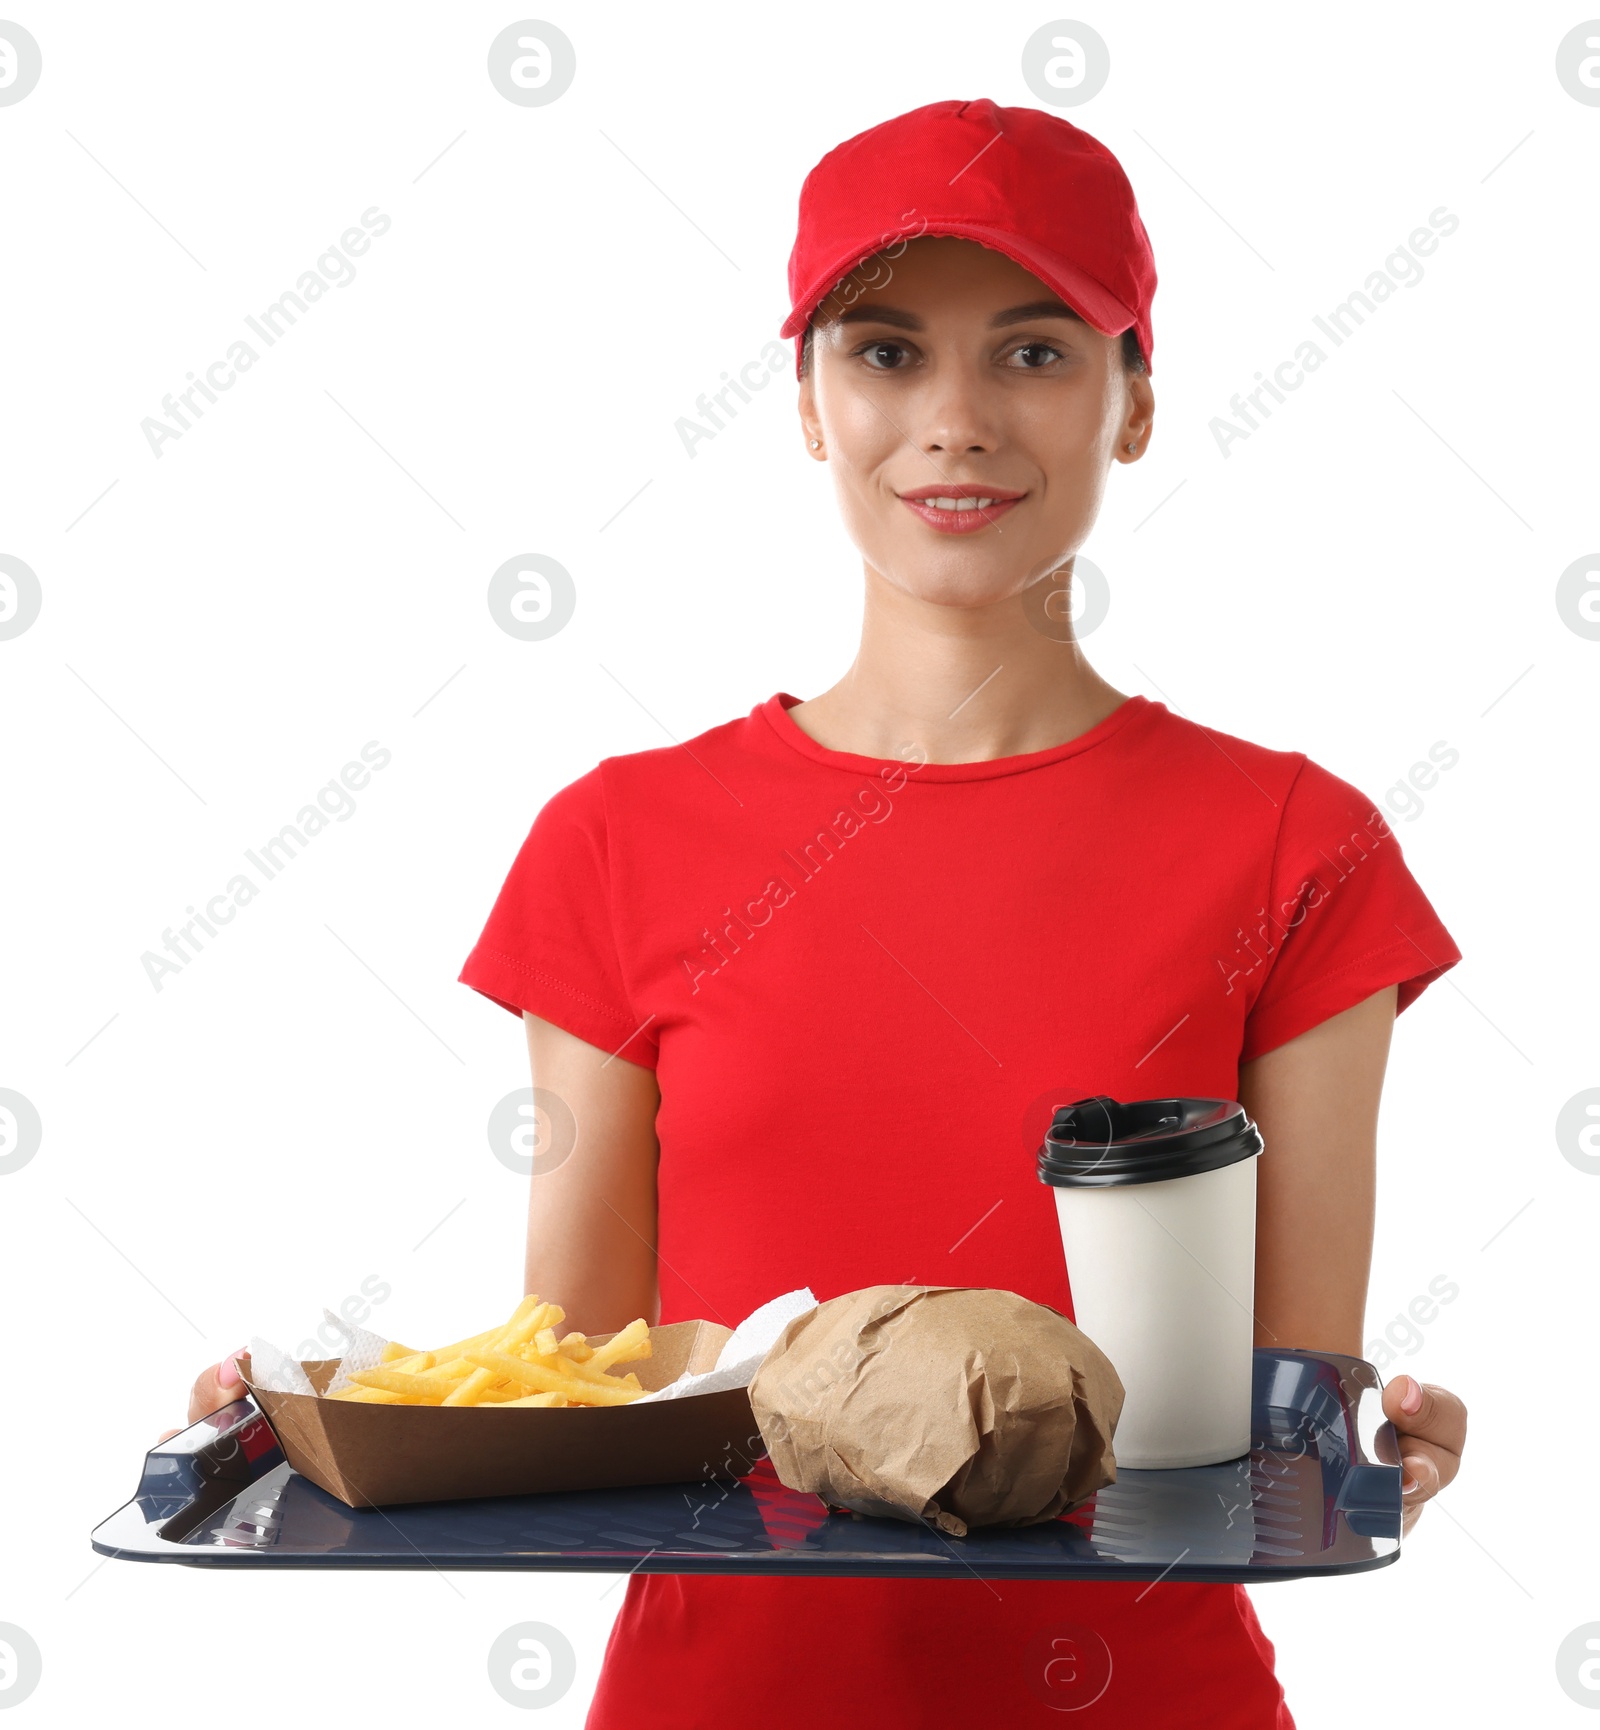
pixel 1431 1434
pixel 1426 1411
pixel 1426 1469
pixel 216 1386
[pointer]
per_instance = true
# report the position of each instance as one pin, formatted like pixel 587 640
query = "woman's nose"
pixel 956 423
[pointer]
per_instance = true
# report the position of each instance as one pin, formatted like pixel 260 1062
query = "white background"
pixel 1373 570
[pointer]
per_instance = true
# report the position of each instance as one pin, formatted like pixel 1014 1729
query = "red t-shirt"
pixel 863 984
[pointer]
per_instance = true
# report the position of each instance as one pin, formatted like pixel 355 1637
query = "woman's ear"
pixel 1134 438
pixel 810 425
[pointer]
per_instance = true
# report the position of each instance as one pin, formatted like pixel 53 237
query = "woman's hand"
pixel 216 1386
pixel 1431 1424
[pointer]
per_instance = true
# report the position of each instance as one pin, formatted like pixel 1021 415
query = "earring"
pixel 815 443
pixel 1132 447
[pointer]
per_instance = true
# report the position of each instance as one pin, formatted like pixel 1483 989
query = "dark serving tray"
pixel 1308 1499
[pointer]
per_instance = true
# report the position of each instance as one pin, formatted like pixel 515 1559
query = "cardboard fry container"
pixel 373 1456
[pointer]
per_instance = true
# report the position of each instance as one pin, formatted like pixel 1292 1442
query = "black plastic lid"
pixel 1095 1143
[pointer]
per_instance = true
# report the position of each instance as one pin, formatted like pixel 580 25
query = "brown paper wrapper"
pixel 958 1405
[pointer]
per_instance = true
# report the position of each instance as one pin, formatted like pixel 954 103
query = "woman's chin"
pixel 963 588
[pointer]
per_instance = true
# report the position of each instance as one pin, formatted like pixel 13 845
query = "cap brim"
pixel 1080 291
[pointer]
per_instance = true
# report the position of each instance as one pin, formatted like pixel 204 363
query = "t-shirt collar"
pixel 776 712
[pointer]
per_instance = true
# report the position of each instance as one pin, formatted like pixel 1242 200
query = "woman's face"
pixel 959 375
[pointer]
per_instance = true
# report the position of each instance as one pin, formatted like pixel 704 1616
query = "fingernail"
pixel 1412 1402
pixel 228 1371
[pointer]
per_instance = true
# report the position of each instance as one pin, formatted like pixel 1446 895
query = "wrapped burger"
pixel 958 1405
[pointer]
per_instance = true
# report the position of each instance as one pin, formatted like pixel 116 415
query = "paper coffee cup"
pixel 1156 1200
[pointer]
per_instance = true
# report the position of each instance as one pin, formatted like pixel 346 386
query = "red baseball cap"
pixel 1027 183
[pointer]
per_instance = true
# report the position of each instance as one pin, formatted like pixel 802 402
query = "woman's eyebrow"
pixel 872 313
pixel 1034 309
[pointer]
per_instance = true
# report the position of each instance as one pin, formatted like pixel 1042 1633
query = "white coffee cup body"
pixel 1163 1281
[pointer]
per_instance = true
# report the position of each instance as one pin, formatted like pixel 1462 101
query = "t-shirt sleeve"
pixel 550 944
pixel 1345 916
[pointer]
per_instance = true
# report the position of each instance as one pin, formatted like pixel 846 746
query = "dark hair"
pixel 1132 359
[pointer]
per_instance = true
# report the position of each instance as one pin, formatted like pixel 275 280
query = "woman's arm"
pixel 1315 1101
pixel 592 1219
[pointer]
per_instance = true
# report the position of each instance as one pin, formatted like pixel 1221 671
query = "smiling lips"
pixel 956 509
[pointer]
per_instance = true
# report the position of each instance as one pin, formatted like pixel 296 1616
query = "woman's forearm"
pixel 1315 1101
pixel 592 1218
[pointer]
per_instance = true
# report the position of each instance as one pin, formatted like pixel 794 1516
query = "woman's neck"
pixel 965 684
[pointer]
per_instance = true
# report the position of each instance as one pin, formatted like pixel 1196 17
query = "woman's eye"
pixel 884 356
pixel 1033 355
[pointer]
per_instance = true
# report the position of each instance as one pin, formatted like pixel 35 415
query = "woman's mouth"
pixel 961 510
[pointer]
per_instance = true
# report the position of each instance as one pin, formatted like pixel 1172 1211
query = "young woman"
pixel 809 982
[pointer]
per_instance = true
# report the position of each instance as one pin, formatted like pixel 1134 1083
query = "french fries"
pixel 523 1362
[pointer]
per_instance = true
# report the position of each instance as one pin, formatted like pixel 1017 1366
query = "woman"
pixel 808 982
